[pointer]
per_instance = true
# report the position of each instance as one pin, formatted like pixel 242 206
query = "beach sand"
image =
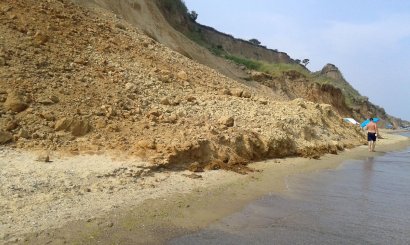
pixel 111 199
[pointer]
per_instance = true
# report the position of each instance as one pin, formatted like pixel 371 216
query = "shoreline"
pixel 176 203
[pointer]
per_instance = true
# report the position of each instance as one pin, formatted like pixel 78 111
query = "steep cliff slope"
pixel 359 105
pixel 325 86
pixel 83 81
pixel 291 84
pixel 214 40
pixel 147 16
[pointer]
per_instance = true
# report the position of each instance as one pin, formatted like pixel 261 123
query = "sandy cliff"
pixel 84 81
pixel 111 89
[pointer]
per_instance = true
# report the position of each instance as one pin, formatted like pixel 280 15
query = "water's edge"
pixel 157 221
pixel 359 202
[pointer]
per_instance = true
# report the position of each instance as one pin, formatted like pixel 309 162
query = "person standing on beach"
pixel 372 132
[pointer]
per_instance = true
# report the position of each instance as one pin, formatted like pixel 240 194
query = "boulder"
pixel 170 119
pixel 76 126
pixel 237 92
pixel 23 134
pixel 131 87
pixel 2 61
pixel 48 115
pixel 45 101
pixel 41 38
pixel 120 26
pixel 246 94
pixel 153 113
pixel 165 101
pixel 80 127
pixel 146 144
pixel 263 101
pixel 15 102
pixel 182 75
pixel 227 121
pixel 225 92
pixel 11 125
pixel 5 137
pixel 195 167
pixel 191 99
pixel 62 124
pixel 54 98
pixel 43 157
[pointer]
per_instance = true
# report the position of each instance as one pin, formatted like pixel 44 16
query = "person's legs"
pixel 371 138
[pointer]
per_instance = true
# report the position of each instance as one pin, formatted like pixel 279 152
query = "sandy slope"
pixel 146 16
pixel 78 81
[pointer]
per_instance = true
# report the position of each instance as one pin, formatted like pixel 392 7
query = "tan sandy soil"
pixel 71 191
pixel 78 81
pixel 37 195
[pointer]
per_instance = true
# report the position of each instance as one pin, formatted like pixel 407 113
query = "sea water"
pixel 361 202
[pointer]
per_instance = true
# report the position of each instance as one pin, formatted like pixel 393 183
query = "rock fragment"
pixel 15 102
pixel 43 157
pixel 227 121
pixel 182 75
pixel 76 126
pixel 5 137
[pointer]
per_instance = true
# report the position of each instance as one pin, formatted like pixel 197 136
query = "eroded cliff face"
pixel 360 106
pixel 240 47
pixel 83 80
pixel 332 71
pixel 291 85
pixel 339 93
pixel 216 40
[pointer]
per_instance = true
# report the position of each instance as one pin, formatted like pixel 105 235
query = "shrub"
pixel 277 69
pixel 217 50
pixel 193 15
pixel 250 64
pixel 254 41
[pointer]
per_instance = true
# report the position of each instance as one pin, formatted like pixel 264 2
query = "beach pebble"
pixel 43 157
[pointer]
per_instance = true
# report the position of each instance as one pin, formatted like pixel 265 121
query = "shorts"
pixel 371 136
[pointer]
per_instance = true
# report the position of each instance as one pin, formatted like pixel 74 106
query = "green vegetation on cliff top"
pixel 178 8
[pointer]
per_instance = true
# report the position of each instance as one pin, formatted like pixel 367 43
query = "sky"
pixel 368 40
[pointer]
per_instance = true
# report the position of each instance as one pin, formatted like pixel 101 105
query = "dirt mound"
pixel 76 81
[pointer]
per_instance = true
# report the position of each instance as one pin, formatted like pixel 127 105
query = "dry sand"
pixel 92 193
pixel 37 195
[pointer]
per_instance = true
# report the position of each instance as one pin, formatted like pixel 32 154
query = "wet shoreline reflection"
pixel 363 202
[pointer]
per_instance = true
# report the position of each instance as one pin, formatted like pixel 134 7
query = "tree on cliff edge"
pixel 193 15
pixel 255 41
pixel 305 62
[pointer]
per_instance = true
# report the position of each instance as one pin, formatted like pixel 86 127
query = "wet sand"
pixel 156 221
pixel 361 202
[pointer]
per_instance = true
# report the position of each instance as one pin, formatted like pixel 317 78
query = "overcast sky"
pixel 368 40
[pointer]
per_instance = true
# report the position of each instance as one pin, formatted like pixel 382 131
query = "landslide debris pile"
pixel 75 81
